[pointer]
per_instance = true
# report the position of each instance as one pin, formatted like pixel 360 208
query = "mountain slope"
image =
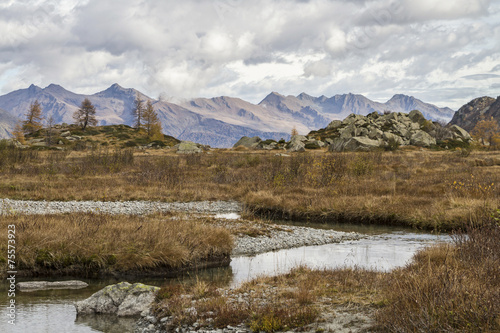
pixel 403 103
pixel 7 123
pixel 114 106
pixel 479 108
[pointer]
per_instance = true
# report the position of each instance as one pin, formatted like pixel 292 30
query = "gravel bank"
pixel 8 207
pixel 289 237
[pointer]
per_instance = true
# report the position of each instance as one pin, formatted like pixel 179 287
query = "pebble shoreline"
pixel 30 207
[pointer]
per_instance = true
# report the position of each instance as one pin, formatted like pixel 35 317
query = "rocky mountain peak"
pixel 471 113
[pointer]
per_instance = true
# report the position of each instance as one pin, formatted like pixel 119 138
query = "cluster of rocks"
pixel 364 133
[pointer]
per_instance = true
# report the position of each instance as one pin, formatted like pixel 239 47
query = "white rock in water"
pixel 122 299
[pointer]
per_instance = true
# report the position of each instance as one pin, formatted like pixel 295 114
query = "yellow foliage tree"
pixel 294 131
pixel 33 120
pixel 151 123
pixel 18 133
pixel 487 132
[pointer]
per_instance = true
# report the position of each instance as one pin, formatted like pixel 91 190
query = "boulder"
pixel 459 133
pixel 122 299
pixel 188 147
pixel 422 139
pixel 334 125
pixel 296 146
pixel 417 117
pixel 352 118
pixel 248 142
pixel 354 144
pixel 44 285
pixel 314 144
pixel 375 133
pixel 361 144
pixel 393 137
pixel 65 134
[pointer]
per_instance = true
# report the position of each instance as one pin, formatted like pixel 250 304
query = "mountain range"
pixel 219 121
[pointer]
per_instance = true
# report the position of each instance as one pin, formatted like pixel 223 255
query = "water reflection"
pixel 53 310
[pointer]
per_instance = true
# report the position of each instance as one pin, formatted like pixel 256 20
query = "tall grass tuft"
pixel 448 288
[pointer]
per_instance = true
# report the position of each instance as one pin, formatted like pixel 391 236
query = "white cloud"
pixel 246 49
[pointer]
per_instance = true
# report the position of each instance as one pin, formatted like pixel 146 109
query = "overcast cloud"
pixel 445 52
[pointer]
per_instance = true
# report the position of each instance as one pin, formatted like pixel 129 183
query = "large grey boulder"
pixel 361 144
pixel 122 299
pixel 354 144
pixel 417 117
pixel 296 146
pixel 188 147
pixel 334 125
pixel 422 139
pixel 248 142
pixel 45 285
pixel 459 133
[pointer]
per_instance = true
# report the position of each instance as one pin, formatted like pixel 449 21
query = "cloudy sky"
pixel 445 52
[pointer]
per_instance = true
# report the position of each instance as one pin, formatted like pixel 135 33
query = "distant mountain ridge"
pixel 218 121
pixel 7 124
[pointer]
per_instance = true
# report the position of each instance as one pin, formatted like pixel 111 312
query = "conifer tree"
pixel 18 133
pixel 85 115
pixel 138 112
pixel 33 120
pixel 151 122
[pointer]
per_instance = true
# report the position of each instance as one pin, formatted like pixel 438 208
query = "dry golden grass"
pixel 423 189
pixel 448 288
pixel 91 244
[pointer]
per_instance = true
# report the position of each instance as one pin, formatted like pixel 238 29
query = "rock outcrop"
pixel 363 133
pixel 122 299
pixel 476 110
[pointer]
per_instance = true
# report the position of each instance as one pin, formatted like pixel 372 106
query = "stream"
pixel 383 249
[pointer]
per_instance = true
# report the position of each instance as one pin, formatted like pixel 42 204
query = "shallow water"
pixel 383 249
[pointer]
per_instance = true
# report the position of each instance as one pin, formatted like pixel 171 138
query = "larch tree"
pixel 18 133
pixel 294 131
pixel 152 123
pixel 34 118
pixel 487 131
pixel 138 112
pixel 85 115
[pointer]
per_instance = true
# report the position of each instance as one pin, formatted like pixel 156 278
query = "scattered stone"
pixel 188 147
pixel 65 134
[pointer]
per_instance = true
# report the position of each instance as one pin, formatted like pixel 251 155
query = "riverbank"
pixel 93 245
pixel 448 287
pixel 434 190
pixel 161 244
